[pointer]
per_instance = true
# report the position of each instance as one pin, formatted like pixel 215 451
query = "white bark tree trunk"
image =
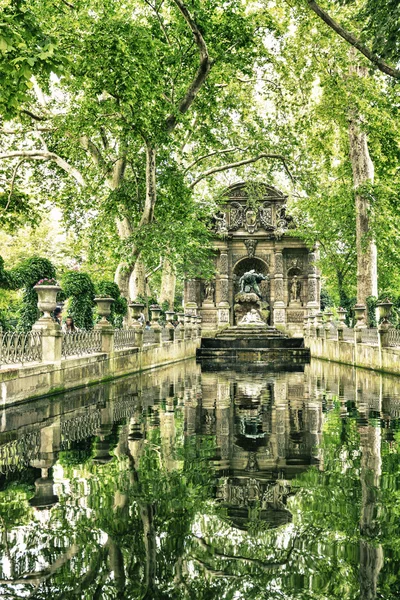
pixel 363 173
pixel 168 285
pixel 137 281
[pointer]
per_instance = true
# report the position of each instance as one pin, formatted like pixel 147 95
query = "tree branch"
pixel 213 154
pixel 94 152
pixel 202 71
pixel 239 163
pixel 353 41
pixel 32 115
pixel 43 155
pixel 19 163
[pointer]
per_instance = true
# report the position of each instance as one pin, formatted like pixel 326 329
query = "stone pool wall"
pixel 356 354
pixel 19 383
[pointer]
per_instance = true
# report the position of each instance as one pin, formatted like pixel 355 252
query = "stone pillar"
pixel 181 326
pixel 223 304
pixel 107 336
pixel 155 325
pixel 51 339
pixel 279 304
pixel 191 304
pixel 188 327
pixel 312 283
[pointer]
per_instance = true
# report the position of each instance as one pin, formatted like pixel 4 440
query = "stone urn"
pixel 47 299
pixel 155 315
pixel 359 310
pixel 169 317
pixel 104 307
pixel 136 308
pixel 188 320
pixel 385 310
pixel 342 312
pixel 181 319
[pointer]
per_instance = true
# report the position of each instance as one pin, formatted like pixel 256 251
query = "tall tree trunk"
pixel 124 269
pixel 363 173
pixel 168 285
pixel 137 281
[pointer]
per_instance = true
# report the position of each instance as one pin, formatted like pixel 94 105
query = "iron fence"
pixel 370 336
pixel 80 343
pixel 348 334
pixel 393 337
pixel 124 338
pixel 166 334
pixel 20 347
pixel 149 337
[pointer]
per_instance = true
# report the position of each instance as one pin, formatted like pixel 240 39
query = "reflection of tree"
pixel 146 524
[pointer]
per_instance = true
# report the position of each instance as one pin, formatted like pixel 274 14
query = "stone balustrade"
pixel 46 359
pixel 370 347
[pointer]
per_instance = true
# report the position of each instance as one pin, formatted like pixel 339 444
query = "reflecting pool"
pixel 182 484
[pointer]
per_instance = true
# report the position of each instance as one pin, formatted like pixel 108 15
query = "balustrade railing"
pixel 370 336
pixel 166 334
pixel 18 454
pixel 79 343
pixel 20 347
pixel 348 334
pixel 149 337
pixel 393 338
pixel 124 338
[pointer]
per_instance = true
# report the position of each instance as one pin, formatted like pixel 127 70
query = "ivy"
pixel 79 289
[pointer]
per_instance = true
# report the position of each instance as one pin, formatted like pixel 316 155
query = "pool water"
pixel 182 484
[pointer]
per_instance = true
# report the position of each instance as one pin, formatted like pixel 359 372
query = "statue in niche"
pixel 209 290
pixel 249 282
pixel 295 289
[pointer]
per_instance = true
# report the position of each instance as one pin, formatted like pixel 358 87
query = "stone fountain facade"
pixel 257 234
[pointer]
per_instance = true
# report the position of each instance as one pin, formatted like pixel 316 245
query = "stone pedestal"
pixel 51 339
pixel 223 314
pixel 107 336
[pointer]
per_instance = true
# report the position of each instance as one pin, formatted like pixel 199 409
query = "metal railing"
pixel 370 336
pixel 393 338
pixel 79 343
pixel 124 338
pixel 166 334
pixel 20 347
pixel 148 337
pixel 348 334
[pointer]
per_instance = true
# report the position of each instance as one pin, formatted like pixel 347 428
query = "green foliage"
pixel 25 276
pixel 26 49
pixel 371 310
pixel 79 289
pixel 326 299
pixel 119 308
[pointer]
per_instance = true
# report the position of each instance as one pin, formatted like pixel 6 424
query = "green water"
pixel 182 484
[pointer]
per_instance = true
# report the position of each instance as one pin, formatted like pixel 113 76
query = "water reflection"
pixel 181 484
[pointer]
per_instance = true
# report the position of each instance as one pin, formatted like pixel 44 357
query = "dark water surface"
pixel 182 484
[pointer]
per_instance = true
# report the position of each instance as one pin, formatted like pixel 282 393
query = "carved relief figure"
pixel 251 220
pixel 221 225
pixel 265 213
pixel 236 216
pixel 251 247
pixel 295 289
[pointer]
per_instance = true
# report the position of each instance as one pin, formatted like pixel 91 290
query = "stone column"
pixel 51 339
pixel 191 304
pixel 107 336
pixel 312 284
pixel 223 304
pixel 279 304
